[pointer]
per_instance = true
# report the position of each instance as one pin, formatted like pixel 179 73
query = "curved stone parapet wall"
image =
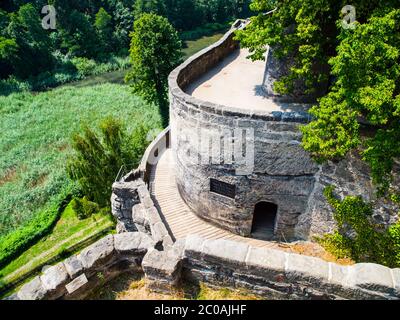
pixel 283 173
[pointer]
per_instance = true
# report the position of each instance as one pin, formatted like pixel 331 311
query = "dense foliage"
pixel 94 30
pixel 35 141
pixel 362 63
pixel 15 243
pixel 99 157
pixel 360 238
pixel 155 52
pixel 367 69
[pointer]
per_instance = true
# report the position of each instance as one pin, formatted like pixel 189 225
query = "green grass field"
pixel 68 231
pixel 36 130
pixel 195 46
pixel 35 136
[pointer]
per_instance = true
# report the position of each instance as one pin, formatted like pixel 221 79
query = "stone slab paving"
pixel 178 216
pixel 236 82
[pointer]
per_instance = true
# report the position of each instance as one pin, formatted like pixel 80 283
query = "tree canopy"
pixel 155 52
pixel 361 108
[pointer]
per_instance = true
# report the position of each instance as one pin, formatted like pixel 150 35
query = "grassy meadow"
pixel 35 136
pixel 36 130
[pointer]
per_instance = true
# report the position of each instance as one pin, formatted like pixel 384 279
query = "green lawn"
pixel 36 129
pixel 68 231
pixel 199 44
pixel 35 141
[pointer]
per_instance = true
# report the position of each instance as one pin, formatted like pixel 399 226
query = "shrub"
pixel 99 157
pixel 84 66
pixel 12 245
pixel 358 237
pixel 84 208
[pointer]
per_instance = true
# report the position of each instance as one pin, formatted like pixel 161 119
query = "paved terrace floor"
pixel 178 216
pixel 236 81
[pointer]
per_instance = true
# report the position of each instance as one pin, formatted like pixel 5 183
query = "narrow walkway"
pixel 179 217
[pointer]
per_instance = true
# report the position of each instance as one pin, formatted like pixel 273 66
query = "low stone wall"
pixel 284 174
pixel 79 275
pixel 135 211
pixel 270 273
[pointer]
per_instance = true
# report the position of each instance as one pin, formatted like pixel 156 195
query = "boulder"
pixel 33 290
pixel 133 243
pixel 98 254
pixel 54 279
pixel 73 266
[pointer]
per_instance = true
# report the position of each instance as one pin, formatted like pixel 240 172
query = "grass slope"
pixel 35 135
pixel 68 231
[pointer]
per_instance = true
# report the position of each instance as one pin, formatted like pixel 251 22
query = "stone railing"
pixel 272 274
pixel 134 210
pixel 150 157
pixel 79 275
pixel 269 273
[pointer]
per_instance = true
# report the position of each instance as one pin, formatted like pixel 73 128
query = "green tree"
pixel 363 65
pixel 367 90
pixel 149 6
pixel 99 157
pixel 103 25
pixel 155 51
pixel 33 43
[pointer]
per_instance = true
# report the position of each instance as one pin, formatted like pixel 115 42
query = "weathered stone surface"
pixel 77 284
pixel 98 254
pixel 339 275
pixel 306 269
pixel 54 278
pixel 147 202
pixel 133 243
pixel 371 276
pixel 232 252
pixel 158 232
pixel 73 266
pixel 13 297
pixel 125 225
pixel 193 246
pixel 163 268
pixel 143 193
pixel 153 215
pixel 139 215
pixel 33 290
pixel 266 262
pixel 124 197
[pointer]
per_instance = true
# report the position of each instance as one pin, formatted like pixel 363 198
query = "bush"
pixel 12 245
pixel 84 66
pixel 99 157
pixel 84 208
pixel 358 237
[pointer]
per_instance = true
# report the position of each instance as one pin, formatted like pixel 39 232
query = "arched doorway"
pixel 264 219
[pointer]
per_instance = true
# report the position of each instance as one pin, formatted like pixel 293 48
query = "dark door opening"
pixel 264 220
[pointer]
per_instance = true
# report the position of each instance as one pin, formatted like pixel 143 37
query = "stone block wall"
pixel 272 274
pixel 284 173
pixel 93 267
